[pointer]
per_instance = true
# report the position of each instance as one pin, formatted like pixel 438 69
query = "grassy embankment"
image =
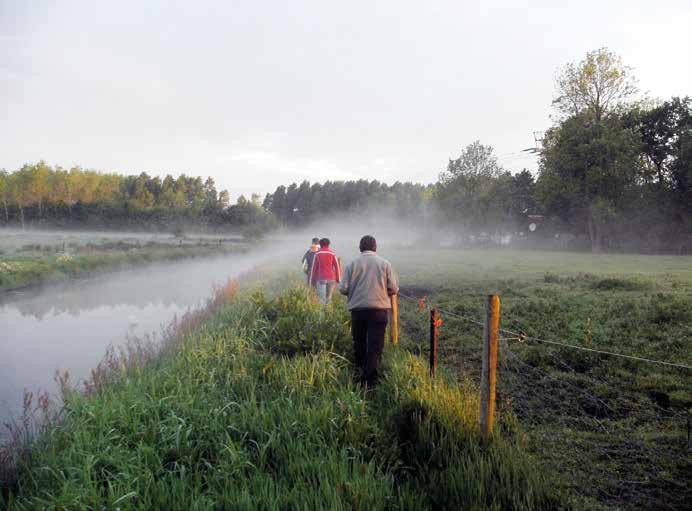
pixel 615 429
pixel 254 406
pixel 42 264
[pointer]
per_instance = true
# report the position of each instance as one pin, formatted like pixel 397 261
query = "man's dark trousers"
pixel 368 327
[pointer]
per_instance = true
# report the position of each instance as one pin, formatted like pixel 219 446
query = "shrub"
pixel 551 278
pixel 296 322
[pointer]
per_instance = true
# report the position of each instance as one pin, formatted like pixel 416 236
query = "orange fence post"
pixel 434 323
pixel 489 368
pixel 394 324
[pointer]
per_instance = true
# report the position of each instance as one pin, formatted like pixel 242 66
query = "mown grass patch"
pixel 258 409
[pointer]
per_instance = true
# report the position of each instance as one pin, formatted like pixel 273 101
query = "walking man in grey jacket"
pixel 369 282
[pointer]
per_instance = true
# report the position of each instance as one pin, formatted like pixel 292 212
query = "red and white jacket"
pixel 325 266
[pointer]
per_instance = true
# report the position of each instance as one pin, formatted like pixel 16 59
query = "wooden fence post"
pixel 394 325
pixel 434 316
pixel 489 368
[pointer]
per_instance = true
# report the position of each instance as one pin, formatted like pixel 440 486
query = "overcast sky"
pixel 258 94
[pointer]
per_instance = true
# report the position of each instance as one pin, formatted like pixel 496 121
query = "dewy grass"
pixel 257 409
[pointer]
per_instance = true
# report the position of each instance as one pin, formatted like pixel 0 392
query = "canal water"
pixel 68 327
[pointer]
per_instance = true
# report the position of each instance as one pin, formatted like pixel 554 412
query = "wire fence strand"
pixel 521 336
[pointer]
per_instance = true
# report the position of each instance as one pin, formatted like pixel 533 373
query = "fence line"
pixel 616 420
pixel 521 336
pixel 593 350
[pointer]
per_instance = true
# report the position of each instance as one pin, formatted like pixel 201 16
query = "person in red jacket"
pixel 325 271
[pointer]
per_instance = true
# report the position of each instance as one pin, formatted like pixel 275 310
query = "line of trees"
pixel 615 173
pixel 301 204
pixel 41 195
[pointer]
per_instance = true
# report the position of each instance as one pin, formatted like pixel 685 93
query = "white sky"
pixel 258 94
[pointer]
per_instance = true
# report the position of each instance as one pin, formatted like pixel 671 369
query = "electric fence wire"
pixel 594 350
pixel 664 413
pixel 613 420
pixel 523 336
pixel 453 314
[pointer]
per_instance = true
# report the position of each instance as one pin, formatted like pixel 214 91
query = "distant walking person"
pixel 309 257
pixel 325 273
pixel 369 282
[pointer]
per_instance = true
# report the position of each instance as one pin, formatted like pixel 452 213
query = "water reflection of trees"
pixel 74 303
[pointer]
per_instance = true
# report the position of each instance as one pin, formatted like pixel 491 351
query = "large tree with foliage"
pixel 666 152
pixel 466 189
pixel 588 171
pixel 666 131
pixel 590 159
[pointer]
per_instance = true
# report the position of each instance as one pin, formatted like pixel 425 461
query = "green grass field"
pixel 614 429
pixel 253 404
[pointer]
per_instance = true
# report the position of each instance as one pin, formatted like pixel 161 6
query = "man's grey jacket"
pixel 369 282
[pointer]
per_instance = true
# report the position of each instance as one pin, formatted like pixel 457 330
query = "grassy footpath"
pixel 614 429
pixel 255 407
pixel 17 271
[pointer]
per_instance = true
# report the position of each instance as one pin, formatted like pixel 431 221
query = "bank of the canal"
pixel 40 267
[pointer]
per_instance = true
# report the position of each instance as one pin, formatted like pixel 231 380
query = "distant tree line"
pixel 301 204
pixel 615 173
pixel 41 195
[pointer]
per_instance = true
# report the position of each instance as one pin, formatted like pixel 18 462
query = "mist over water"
pixel 69 326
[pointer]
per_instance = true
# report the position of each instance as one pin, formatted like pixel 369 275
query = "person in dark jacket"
pixel 309 258
pixel 369 282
